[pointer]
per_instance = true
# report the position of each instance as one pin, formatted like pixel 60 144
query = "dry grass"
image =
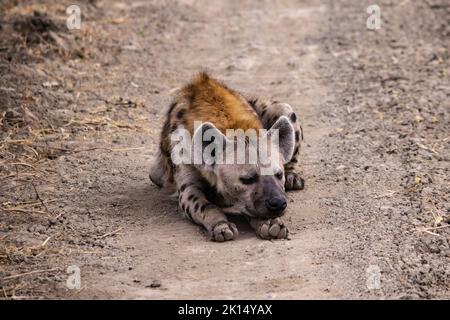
pixel 32 135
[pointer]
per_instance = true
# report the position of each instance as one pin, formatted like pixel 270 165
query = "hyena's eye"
pixel 249 179
pixel 279 175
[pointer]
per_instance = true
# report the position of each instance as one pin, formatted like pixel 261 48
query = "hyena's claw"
pixel 224 231
pixel 294 181
pixel 273 229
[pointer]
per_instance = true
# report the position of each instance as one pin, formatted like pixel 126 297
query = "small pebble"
pixel 154 284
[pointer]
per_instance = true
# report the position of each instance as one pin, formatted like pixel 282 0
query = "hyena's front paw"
pixel 272 229
pixel 224 231
pixel 294 181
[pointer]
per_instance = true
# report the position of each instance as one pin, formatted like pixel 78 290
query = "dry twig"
pixel 28 273
pixel 110 233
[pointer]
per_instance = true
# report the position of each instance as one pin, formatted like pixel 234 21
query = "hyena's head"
pixel 248 170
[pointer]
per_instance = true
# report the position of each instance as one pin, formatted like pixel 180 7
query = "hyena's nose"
pixel 276 204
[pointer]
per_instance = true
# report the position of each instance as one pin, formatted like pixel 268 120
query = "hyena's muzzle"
pixel 269 199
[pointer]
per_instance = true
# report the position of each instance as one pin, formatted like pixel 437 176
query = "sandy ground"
pixel 80 118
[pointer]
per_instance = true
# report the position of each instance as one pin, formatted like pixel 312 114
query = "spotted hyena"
pixel 210 190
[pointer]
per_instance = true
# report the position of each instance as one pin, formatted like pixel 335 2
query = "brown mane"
pixel 211 101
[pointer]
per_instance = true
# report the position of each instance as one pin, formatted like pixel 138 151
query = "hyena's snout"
pixel 275 206
pixel 271 201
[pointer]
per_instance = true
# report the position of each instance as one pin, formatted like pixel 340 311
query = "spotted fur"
pixel 269 112
pixel 202 196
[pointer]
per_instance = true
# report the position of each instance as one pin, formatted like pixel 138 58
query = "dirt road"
pixel 375 112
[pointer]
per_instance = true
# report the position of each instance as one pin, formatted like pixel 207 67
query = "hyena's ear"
pixel 208 145
pixel 286 137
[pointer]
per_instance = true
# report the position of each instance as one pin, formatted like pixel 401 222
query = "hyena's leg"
pixel 161 172
pixel 269 112
pixel 193 202
pixel 157 171
pixel 270 228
